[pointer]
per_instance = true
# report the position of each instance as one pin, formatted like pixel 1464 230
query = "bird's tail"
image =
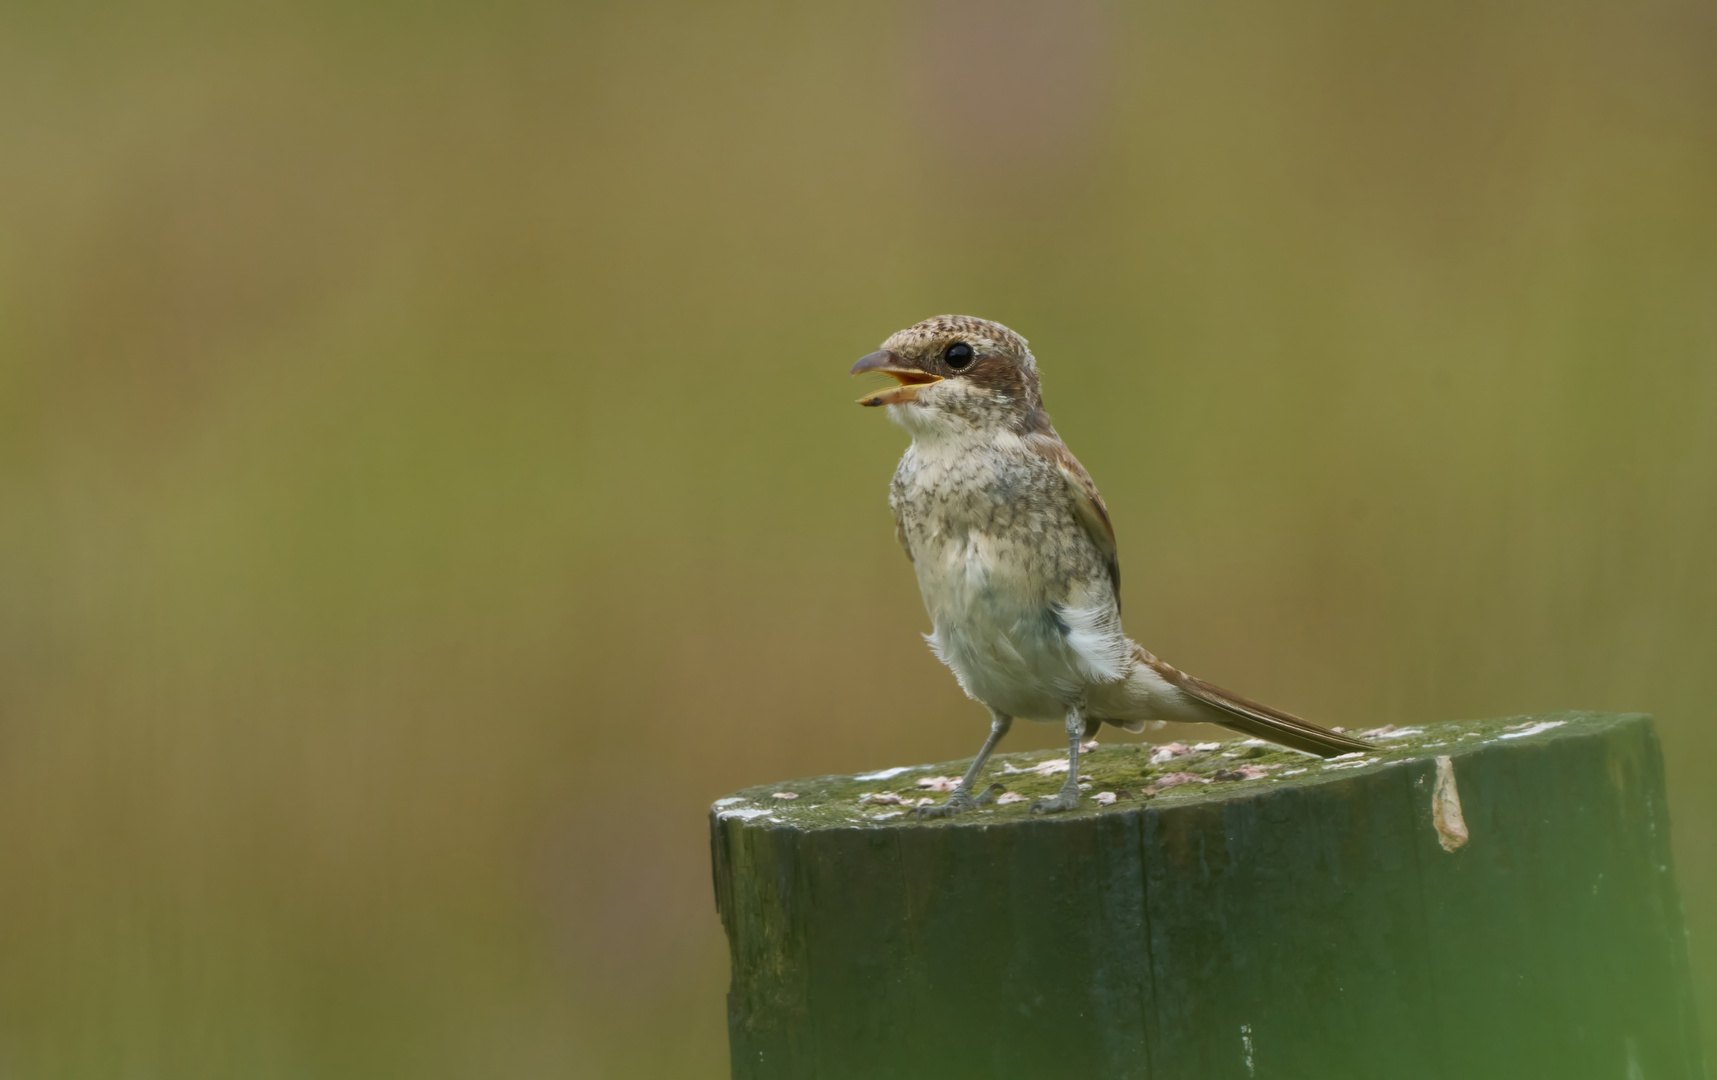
pixel 1260 721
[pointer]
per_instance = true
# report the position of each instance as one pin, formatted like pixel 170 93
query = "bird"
pixel 1017 562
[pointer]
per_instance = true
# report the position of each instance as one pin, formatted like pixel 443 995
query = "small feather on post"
pixel 1446 808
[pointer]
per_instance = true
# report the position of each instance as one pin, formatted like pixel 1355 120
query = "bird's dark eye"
pixel 959 355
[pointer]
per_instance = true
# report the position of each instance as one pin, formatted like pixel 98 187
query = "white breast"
pixel 1011 639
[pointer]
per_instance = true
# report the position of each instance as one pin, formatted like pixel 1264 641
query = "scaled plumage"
pixel 1016 558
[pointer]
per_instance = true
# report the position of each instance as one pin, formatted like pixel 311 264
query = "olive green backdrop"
pixel 429 474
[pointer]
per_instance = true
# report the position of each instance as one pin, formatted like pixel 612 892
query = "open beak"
pixel 912 380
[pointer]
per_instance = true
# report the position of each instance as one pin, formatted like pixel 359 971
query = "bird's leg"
pixel 962 798
pixel 1068 797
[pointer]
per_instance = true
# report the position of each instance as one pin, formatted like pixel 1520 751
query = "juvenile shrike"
pixel 1016 558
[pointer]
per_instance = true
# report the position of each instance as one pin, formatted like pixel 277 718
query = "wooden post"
pixel 1477 900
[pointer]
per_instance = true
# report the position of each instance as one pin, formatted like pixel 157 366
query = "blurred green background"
pixel 428 471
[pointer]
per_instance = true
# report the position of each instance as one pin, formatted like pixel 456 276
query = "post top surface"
pixel 1139 775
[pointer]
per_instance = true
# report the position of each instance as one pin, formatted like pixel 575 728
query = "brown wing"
pixel 900 535
pixel 1260 721
pixel 1088 508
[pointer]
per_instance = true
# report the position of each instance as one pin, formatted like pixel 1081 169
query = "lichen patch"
pixel 1186 773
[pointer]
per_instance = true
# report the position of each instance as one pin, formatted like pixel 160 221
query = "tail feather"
pixel 1260 721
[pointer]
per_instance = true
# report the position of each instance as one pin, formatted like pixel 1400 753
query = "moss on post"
pixel 1475 900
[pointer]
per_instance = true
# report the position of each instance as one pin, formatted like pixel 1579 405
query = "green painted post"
pixel 1477 900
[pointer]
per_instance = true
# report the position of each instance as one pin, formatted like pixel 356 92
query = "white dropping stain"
pixel 1446 808
pixel 1532 729
pixel 745 813
pixel 729 801
pixel 1395 733
pixel 886 774
pixel 1246 1045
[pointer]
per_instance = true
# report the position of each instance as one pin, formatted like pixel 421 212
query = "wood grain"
pixel 1306 923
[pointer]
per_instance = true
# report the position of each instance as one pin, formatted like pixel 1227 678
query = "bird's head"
pixel 957 373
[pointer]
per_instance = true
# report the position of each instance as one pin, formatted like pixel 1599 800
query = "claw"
pixel 959 802
pixel 1066 800
pixel 947 809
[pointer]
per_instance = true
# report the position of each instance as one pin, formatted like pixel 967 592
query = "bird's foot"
pixel 959 802
pixel 1065 799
